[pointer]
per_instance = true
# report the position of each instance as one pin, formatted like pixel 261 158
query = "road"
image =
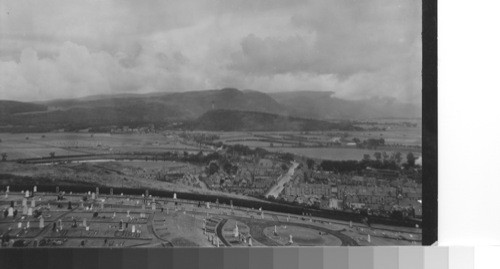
pixel 278 188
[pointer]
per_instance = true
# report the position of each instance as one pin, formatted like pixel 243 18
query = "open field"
pixel 19 146
pixel 319 144
pixel 334 153
pixel 410 136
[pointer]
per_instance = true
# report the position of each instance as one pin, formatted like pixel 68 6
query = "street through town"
pixel 278 188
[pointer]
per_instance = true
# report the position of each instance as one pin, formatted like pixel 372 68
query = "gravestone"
pixel 369 239
pixel 10 212
pixel 291 239
pixel 27 194
pixel 133 228
pixel 236 232
pixel 30 211
pixel 25 210
pixel 35 189
pixel 84 222
pixel 93 196
pixel 153 206
pixel 19 225
pixel 41 223
pixel 128 213
pixel 175 195
pixel 8 189
pixel 33 203
pixel 250 241
pixel 24 202
pixel 27 224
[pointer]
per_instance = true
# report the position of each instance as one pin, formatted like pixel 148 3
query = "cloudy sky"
pixel 73 48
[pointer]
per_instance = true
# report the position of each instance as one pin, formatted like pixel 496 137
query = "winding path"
pixel 257 227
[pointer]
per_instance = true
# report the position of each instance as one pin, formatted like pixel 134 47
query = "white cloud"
pixel 55 48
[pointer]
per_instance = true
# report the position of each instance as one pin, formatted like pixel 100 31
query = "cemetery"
pixel 94 219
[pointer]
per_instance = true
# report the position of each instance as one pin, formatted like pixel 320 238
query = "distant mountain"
pixel 232 120
pixel 135 110
pixel 181 105
pixel 8 108
pixel 166 108
pixel 323 105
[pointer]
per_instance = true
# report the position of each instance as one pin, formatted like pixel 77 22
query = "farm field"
pixel 336 154
pixel 21 146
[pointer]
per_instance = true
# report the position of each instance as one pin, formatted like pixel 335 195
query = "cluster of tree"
pixel 245 150
pixel 371 143
pixel 342 166
pixel 286 157
pixel 384 156
pixel 212 168
pixel 381 161
pixel 310 163
pixel 200 158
